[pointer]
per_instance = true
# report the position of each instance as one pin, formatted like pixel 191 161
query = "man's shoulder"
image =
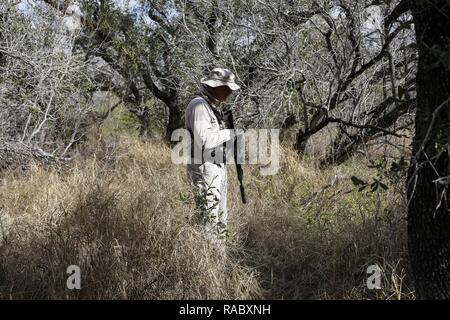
pixel 197 102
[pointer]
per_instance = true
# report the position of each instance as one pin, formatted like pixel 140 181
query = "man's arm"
pixel 203 131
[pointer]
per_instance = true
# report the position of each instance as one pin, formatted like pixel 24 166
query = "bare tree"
pixel 45 89
pixel 342 81
pixel 309 64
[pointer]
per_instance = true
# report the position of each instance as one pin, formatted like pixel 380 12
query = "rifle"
pixel 240 172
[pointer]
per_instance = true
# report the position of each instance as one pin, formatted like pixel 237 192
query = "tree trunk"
pixel 428 178
pixel 174 121
pixel 301 142
pixel 317 122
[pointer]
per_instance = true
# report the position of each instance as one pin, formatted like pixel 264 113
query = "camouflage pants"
pixel 210 185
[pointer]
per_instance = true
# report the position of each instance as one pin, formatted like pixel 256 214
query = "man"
pixel 207 123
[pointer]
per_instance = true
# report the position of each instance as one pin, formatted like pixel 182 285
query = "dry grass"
pixel 123 214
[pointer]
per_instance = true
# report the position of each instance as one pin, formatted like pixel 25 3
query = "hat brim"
pixel 217 83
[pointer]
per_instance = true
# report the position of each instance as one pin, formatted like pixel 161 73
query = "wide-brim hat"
pixel 220 77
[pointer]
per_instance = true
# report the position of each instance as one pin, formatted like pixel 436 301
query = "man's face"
pixel 221 93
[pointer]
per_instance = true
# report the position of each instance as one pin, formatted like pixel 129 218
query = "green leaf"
pixel 374 186
pixel 383 186
pixel 362 188
pixel 358 182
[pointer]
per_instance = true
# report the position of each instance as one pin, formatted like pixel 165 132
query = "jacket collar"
pixel 208 96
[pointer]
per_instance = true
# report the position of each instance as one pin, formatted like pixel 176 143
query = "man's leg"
pixel 210 187
pixel 195 175
pixel 213 198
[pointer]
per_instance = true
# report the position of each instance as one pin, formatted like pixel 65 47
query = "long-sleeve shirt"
pixel 204 125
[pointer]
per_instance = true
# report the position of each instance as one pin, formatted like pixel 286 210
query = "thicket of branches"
pixel 46 85
pixel 303 65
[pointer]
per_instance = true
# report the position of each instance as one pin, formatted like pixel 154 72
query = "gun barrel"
pixel 244 200
pixel 240 172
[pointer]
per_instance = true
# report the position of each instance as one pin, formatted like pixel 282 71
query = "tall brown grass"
pixel 123 213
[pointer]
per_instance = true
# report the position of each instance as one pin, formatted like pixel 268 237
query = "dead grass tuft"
pixel 123 213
